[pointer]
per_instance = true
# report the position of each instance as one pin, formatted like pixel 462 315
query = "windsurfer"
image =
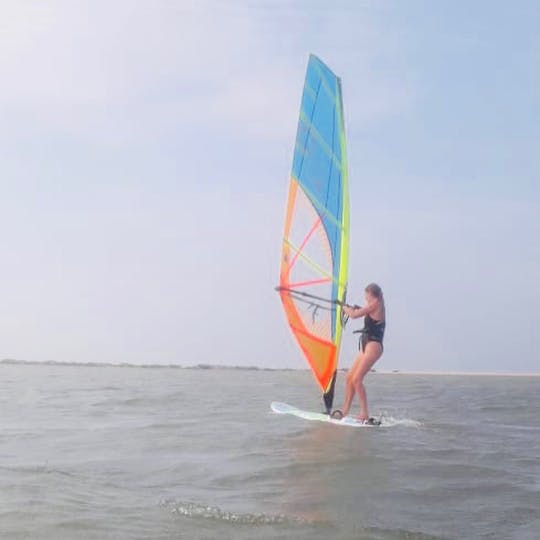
pixel 370 351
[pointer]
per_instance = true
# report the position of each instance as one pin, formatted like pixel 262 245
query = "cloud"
pixel 106 68
pixel 115 71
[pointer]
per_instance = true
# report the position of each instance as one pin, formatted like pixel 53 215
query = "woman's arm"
pixel 356 312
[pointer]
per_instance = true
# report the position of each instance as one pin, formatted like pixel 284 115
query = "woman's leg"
pixel 372 353
pixel 349 385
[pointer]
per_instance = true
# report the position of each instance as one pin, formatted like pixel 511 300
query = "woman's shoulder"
pixel 378 314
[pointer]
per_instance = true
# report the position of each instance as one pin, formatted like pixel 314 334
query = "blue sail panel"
pixel 318 161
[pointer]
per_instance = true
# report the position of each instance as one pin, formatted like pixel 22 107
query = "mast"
pixel 315 249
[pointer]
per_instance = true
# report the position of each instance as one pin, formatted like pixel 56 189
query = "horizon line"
pixel 203 366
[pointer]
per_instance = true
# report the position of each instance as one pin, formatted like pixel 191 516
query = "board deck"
pixel 285 408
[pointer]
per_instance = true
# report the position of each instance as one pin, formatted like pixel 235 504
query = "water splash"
pixel 391 421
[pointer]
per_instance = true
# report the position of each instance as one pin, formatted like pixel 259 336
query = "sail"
pixel 315 252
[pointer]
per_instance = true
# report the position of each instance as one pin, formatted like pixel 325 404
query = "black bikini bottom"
pixel 366 338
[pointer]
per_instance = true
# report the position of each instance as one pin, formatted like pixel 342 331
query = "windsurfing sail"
pixel 315 251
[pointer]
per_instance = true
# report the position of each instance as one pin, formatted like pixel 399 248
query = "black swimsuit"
pixel 373 331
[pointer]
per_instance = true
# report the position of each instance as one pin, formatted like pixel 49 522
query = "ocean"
pixel 105 452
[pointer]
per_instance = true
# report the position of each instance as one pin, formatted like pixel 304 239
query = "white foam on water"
pixel 392 421
pixel 215 513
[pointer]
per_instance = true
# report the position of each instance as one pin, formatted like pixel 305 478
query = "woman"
pixel 371 350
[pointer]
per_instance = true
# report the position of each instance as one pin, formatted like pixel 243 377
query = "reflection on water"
pixel 331 472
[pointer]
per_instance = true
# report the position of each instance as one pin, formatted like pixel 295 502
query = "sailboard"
pixel 350 421
pixel 315 248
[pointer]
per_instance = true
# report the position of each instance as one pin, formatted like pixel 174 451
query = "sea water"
pixel 98 452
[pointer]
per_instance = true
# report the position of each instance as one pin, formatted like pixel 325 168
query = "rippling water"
pixel 124 452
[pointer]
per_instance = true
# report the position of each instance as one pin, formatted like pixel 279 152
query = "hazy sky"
pixel 145 149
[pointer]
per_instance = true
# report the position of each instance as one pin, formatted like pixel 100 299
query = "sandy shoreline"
pixel 456 373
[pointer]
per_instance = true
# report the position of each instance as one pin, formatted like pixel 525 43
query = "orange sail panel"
pixel 315 249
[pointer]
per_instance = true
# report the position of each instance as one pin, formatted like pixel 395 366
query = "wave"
pixel 214 513
pixel 194 510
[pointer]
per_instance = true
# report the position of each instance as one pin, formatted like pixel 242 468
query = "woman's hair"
pixel 376 291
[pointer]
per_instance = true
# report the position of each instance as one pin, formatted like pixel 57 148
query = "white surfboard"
pixel 285 408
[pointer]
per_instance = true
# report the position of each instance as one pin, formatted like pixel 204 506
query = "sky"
pixel 145 151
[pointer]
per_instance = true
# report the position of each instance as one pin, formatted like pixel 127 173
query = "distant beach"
pixel 456 373
pixel 257 368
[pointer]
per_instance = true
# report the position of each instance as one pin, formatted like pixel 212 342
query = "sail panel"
pixel 315 243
